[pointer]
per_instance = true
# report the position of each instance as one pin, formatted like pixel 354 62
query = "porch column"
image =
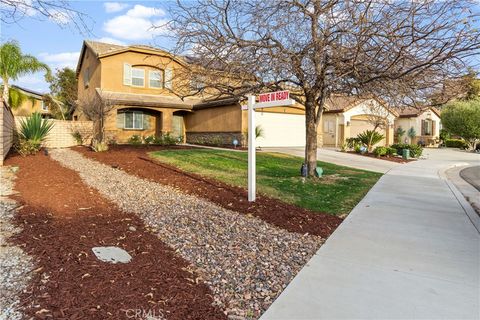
pixel 167 116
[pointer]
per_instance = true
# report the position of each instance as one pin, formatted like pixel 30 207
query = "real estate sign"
pixel 265 100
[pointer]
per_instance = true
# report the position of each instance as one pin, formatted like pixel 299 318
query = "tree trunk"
pixel 5 90
pixel 311 137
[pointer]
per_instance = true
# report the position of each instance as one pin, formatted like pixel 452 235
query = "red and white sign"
pixel 274 96
pixel 274 99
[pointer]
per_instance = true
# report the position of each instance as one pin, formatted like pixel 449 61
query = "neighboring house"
pixel 33 103
pixel 138 82
pixel 425 122
pixel 347 116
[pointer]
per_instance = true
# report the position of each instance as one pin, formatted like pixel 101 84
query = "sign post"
pixel 265 100
pixel 251 150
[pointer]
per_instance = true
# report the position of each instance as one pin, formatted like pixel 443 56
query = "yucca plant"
pixel 370 138
pixel 35 129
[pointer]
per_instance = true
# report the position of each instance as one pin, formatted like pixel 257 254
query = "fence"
pixel 61 134
pixel 6 131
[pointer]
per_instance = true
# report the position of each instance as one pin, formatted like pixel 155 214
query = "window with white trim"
pixel 133 120
pixel 44 106
pixel 138 77
pixel 155 78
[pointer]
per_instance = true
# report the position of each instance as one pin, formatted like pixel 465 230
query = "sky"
pixel 58 44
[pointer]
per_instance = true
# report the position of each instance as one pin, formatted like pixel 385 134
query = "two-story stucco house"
pixel 140 82
pixel 33 103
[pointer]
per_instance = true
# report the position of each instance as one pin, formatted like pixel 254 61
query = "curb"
pixel 472 215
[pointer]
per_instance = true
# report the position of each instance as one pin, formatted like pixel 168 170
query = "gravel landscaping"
pixel 245 261
pixel 15 265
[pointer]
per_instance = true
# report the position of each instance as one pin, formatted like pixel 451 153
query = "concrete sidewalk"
pixel 407 251
pixel 341 158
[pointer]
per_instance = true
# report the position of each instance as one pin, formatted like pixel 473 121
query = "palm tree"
pixel 14 64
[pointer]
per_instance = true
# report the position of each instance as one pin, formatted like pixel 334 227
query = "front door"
pixel 177 126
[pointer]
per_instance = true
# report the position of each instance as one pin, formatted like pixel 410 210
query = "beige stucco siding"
pixel 219 119
pixel 416 124
pixel 113 66
pixel 91 63
pixel 28 107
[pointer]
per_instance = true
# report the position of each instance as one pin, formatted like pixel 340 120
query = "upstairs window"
pixel 138 77
pixel 133 120
pixel 155 79
pixel 86 77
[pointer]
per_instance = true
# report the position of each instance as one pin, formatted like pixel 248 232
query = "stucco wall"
pixel 6 134
pixel 112 72
pixel 28 107
pixel 61 134
pixel 91 62
pixel 220 119
pixel 416 123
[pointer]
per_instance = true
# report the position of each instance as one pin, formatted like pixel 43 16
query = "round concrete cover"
pixel 112 254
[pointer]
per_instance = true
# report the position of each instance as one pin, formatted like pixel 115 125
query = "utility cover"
pixel 112 254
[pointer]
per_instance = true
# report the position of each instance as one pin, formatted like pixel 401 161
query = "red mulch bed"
pixel 62 219
pixel 391 159
pixel 134 160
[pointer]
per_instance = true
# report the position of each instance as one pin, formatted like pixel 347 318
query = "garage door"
pixel 359 126
pixel 281 130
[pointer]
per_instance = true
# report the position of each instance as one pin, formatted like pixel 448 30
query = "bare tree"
pixel 96 106
pixel 396 50
pixel 59 11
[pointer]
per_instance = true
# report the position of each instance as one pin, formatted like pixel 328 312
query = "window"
pixel 328 126
pixel 133 120
pixel 86 77
pixel 427 127
pixel 155 78
pixel 44 106
pixel 138 77
pixel 197 84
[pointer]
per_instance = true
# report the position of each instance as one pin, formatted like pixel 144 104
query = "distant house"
pixel 33 103
pixel 347 116
pixel 424 121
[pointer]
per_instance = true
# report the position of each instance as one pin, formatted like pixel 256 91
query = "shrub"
pixel 78 137
pixel 444 135
pixel 370 138
pixel 456 143
pixel 98 146
pixel 166 140
pixel 33 132
pixel 352 142
pixel 391 151
pixel 27 147
pixel 399 133
pixel 411 133
pixel 135 140
pixel 380 151
pixel 415 150
pixel 149 139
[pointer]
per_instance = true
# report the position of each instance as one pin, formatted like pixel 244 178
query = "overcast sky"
pixel 113 22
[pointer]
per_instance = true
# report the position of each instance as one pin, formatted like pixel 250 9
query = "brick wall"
pixel 61 134
pixel 6 130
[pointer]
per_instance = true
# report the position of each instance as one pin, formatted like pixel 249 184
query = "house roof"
pixel 29 92
pixel 410 112
pixel 102 49
pixel 343 103
pixel 146 100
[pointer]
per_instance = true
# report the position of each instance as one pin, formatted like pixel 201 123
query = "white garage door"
pixel 281 130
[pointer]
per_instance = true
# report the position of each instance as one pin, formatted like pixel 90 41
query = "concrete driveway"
pixel 408 250
pixel 341 158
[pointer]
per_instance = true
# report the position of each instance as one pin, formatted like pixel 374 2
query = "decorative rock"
pixel 112 254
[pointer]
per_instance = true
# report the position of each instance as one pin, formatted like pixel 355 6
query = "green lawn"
pixel 340 189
